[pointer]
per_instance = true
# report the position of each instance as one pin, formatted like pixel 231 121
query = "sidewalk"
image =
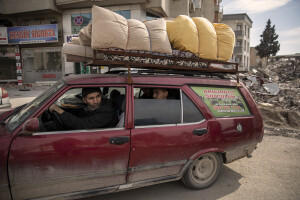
pixel 18 98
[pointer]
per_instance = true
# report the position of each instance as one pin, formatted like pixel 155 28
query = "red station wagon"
pixel 205 121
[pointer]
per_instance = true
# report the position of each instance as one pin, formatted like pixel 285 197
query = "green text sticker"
pixel 223 102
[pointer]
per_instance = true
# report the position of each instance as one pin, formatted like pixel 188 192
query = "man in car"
pixel 98 112
pixel 160 93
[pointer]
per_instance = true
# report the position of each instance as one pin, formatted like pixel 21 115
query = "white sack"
pixel 138 36
pixel 75 40
pixel 109 29
pixel 85 36
pixel 158 36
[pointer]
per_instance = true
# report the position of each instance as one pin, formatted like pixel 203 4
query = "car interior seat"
pixel 119 103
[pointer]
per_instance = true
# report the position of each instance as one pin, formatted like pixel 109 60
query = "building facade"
pixel 32 32
pixel 241 24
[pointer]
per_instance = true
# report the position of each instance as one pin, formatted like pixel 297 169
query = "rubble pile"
pixel 278 84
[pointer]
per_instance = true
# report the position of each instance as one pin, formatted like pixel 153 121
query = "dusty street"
pixel 272 173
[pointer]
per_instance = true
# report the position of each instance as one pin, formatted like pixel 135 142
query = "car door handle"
pixel 119 140
pixel 199 132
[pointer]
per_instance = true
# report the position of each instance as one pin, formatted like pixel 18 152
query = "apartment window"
pixel 238 59
pixel 124 13
pixel 245 46
pixel 248 32
pixel 247 62
pixel 239 27
pixel 239 43
pixel 245 30
pixel 216 17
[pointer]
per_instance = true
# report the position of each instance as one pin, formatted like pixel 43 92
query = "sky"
pixel 284 14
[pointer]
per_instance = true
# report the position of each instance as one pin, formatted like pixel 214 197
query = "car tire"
pixel 203 171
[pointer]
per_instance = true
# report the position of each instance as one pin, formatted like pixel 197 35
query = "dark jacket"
pixel 103 117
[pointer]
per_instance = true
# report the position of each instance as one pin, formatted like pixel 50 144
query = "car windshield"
pixel 19 117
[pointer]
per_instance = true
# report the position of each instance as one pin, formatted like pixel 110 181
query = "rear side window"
pixel 190 111
pixel 223 102
pixel 162 106
pixel 156 111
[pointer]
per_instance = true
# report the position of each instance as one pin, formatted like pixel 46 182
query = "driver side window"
pixel 102 107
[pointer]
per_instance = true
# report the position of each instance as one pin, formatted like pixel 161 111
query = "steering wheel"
pixel 56 119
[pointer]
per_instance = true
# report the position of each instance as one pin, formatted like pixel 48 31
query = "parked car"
pixel 4 99
pixel 204 122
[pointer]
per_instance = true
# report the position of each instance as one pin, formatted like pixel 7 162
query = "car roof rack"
pixel 167 72
pixel 192 65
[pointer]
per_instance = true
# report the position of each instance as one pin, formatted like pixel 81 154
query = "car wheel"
pixel 203 171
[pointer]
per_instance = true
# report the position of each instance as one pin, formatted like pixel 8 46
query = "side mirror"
pixel 30 126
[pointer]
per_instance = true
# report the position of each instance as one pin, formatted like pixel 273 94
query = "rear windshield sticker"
pixel 223 102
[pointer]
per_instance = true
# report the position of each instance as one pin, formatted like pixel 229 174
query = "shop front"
pixel 31 54
pixel 8 71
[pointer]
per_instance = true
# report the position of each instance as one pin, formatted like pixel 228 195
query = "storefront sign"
pixel 3 35
pixel 223 102
pixel 32 34
pixel 68 38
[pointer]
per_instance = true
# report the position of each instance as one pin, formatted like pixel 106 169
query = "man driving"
pixel 98 112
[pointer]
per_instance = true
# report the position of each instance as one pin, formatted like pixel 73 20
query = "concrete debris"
pixel 272 88
pixel 278 84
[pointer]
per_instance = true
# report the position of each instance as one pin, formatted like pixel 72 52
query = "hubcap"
pixel 204 168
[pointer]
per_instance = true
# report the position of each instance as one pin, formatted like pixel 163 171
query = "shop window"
pixel 150 16
pixel 124 13
pixel 7 63
pixel 44 58
pixel 47 61
pixel 81 68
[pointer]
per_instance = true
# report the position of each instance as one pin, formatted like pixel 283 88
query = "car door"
pixel 166 134
pixel 61 162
